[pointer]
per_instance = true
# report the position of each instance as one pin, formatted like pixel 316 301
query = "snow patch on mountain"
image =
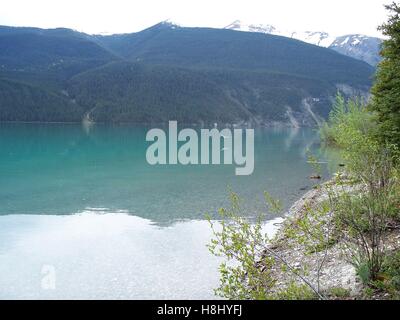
pixel 357 46
pixel 322 39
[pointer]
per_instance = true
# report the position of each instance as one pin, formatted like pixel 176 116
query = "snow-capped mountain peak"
pixel 318 38
pixel 238 25
pixel 355 45
pixel 171 24
pixel 314 37
pixel 359 46
pixel 351 39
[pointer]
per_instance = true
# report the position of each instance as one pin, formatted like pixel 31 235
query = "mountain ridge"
pixel 361 47
pixel 193 75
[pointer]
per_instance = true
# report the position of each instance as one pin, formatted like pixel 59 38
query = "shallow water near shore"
pixel 84 204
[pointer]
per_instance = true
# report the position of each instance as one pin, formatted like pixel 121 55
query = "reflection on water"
pixel 84 202
pixel 105 256
pixel 64 169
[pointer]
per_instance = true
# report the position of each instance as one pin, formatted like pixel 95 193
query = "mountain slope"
pixel 128 92
pixel 317 38
pixel 23 102
pixel 356 46
pixel 193 75
pixel 360 47
pixel 131 92
pixel 218 48
pixel 49 51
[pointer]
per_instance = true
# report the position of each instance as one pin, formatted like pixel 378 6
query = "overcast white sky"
pixel 337 17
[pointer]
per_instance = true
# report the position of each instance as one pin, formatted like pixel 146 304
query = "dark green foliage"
pixel 141 93
pixel 167 72
pixel 49 51
pixel 219 48
pixel 386 91
pixel 123 92
pixel 22 102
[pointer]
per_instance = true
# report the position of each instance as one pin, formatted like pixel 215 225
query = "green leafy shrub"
pixel 246 272
pixel 363 214
pixel 338 292
pixel 389 279
pixel 295 291
pixel 242 244
pixel 346 117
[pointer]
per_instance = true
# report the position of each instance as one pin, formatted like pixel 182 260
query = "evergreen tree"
pixel 386 90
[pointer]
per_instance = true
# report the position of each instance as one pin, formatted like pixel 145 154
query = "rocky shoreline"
pixel 336 271
pixel 328 269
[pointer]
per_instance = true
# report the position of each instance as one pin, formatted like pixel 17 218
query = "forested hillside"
pixel 166 72
pixel 220 48
pixel 31 103
pixel 135 92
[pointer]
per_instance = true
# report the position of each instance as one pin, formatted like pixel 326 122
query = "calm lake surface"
pixel 81 208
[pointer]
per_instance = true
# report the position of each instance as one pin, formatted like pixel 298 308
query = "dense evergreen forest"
pixel 166 72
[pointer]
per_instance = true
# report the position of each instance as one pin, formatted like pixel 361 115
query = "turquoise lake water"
pixel 84 204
